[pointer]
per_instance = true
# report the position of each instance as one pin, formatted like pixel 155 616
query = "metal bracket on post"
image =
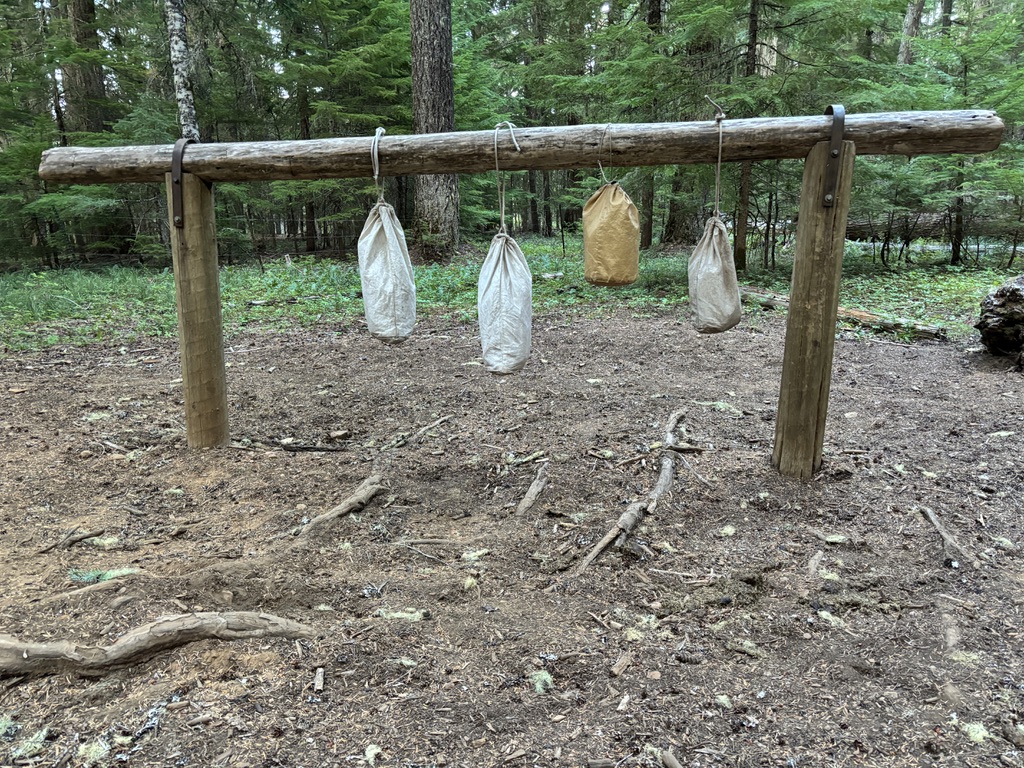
pixel 835 148
pixel 177 207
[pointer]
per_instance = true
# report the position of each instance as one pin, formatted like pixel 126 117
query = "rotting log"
pixel 549 148
pixel 811 324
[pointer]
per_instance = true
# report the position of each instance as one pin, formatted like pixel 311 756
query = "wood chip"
pixel 318 680
pixel 620 666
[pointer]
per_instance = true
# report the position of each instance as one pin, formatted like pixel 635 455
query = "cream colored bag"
pixel 611 238
pixel 714 290
pixel 505 306
pixel 389 290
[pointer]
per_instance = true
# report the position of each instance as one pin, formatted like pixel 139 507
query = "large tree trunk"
pixel 178 37
pixel 911 29
pixel 84 93
pixel 436 221
pixel 750 68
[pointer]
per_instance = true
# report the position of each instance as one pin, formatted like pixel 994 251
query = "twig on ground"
pixel 635 511
pixel 949 542
pixel 405 438
pixel 20 658
pixel 367 489
pixel 535 489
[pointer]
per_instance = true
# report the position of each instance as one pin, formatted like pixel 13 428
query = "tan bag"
pixel 385 270
pixel 714 290
pixel 505 306
pixel 611 238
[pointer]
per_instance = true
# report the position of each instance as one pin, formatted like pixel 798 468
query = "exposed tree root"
pixel 18 658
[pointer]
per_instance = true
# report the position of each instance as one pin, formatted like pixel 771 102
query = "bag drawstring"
pixel 497 169
pixel 375 159
pixel 719 117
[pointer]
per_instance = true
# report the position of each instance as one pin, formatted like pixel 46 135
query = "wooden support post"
pixel 811 328
pixel 200 335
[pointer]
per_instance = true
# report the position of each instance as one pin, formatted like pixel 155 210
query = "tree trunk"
pixel 647 210
pixel 176 33
pixel 750 68
pixel 911 29
pixel 534 206
pixel 739 249
pixel 548 228
pixel 436 221
pixel 946 16
pixel 84 92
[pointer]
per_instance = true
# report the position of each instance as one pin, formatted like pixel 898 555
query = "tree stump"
pixel 1002 319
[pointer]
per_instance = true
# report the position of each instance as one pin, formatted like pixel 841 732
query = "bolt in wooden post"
pixel 200 335
pixel 811 327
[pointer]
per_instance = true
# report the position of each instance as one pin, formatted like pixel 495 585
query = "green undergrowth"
pixel 119 305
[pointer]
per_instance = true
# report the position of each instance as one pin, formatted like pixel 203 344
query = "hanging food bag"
pixel 505 306
pixel 714 291
pixel 611 238
pixel 389 291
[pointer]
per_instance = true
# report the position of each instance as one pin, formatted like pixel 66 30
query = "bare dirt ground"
pixel 756 620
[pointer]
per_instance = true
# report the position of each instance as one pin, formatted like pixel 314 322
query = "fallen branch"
pixel 535 489
pixel 856 316
pixel 71 539
pixel 949 544
pixel 634 512
pixel 274 302
pixel 404 438
pixel 19 658
pixel 367 489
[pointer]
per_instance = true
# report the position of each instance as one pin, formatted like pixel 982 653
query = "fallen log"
pixel 917 331
pixel 19 658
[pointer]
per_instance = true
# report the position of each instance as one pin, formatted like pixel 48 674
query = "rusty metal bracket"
pixel 177 206
pixel 835 148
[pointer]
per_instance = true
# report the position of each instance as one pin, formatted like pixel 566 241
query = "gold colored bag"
pixel 611 238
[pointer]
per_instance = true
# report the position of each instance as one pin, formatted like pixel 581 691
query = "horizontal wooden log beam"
pixel 580 146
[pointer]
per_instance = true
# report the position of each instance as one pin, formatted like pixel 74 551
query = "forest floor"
pixel 756 621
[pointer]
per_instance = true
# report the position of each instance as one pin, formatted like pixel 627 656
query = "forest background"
pixel 85 72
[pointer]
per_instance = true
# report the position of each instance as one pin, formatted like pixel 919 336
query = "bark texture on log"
pixel 1002 319
pixel 566 147
pixel 19 658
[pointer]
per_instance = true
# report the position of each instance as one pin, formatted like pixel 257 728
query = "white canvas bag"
pixel 505 306
pixel 714 290
pixel 385 270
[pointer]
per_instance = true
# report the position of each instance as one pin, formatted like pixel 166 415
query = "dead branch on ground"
pixel 949 543
pixel 71 539
pixel 63 657
pixel 535 489
pixel 367 489
pixel 635 511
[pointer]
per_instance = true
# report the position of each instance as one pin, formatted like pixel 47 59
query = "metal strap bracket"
pixel 177 206
pixel 835 148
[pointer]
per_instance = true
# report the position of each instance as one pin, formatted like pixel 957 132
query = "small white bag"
pixel 385 270
pixel 505 306
pixel 714 290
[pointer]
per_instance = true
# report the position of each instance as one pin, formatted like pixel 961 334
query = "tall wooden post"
pixel 811 327
pixel 200 334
